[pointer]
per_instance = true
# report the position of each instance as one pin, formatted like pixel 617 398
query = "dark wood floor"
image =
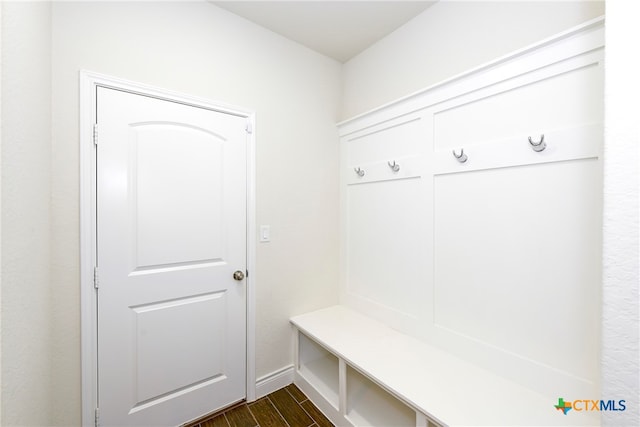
pixel 287 407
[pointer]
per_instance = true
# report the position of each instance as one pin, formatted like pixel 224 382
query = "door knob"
pixel 238 275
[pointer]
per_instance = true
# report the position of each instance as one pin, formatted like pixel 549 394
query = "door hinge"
pixel 97 417
pixel 249 128
pixel 95 134
pixel 96 281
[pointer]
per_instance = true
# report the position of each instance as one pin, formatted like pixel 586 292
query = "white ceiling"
pixel 338 29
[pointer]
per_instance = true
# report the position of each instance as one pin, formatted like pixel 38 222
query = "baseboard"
pixel 274 381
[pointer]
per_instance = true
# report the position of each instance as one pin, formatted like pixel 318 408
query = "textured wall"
pixel 0 215
pixel 621 296
pixel 26 157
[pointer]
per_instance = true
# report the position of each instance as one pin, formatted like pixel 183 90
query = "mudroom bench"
pixel 360 372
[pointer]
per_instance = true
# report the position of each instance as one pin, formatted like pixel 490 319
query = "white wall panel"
pixel 386 244
pixel 386 218
pixel 488 258
pixel 385 142
pixel 517 254
pixel 550 99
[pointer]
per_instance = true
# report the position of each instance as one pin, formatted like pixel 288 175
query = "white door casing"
pixel 170 326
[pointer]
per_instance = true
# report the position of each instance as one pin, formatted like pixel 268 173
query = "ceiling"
pixel 337 29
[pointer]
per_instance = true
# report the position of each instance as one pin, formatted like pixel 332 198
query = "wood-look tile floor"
pixel 287 407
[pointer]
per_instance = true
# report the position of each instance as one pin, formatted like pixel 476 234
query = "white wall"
pixel 621 262
pixel 26 290
pixel 199 49
pixel 0 215
pixel 447 39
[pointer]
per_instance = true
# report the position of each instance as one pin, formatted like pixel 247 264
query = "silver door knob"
pixel 238 275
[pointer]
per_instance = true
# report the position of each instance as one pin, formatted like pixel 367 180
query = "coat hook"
pixel 461 157
pixel 359 171
pixel 538 146
pixel 394 166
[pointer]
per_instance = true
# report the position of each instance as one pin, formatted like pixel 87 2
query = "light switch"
pixel 265 233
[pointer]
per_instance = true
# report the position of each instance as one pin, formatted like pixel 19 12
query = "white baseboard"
pixel 274 381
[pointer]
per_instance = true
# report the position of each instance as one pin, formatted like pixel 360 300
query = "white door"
pixel 171 232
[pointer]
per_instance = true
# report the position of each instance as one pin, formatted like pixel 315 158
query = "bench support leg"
pixel 342 385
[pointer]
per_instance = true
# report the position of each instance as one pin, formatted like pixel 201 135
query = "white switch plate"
pixel 265 233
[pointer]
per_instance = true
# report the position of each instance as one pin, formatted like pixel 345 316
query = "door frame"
pixel 89 81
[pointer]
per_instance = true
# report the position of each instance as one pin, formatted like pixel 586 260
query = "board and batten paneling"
pixel 386 207
pixel 497 259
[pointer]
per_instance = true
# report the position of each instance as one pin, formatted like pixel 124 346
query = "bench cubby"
pixel 386 379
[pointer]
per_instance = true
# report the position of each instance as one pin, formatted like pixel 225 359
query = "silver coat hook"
pixel 359 171
pixel 460 157
pixel 394 166
pixel 538 146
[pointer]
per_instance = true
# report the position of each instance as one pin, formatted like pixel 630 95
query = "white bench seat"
pixel 439 387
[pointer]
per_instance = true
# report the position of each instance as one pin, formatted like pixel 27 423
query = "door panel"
pixel 171 196
pixel 191 230
pixel 158 332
